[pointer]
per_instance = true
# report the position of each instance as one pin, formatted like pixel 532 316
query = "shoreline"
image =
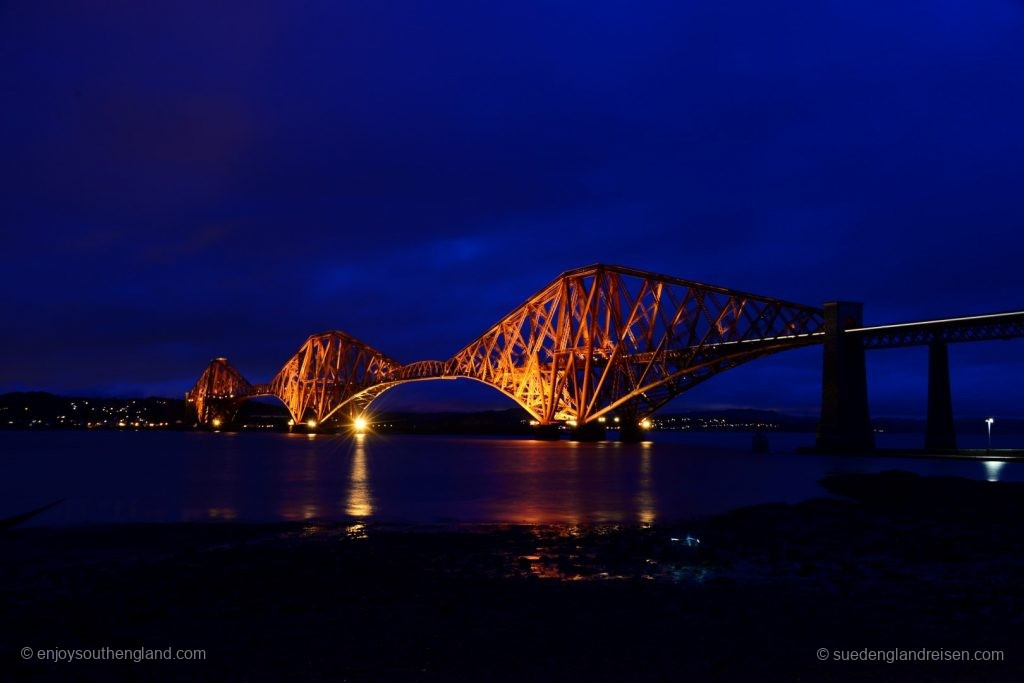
pixel 756 590
pixel 970 454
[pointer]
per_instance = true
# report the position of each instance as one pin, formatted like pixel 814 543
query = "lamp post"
pixel 988 423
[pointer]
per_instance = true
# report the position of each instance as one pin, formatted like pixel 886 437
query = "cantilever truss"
pixel 218 391
pixel 607 338
pixel 596 340
pixel 328 371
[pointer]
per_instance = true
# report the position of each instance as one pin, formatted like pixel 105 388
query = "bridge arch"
pixel 364 401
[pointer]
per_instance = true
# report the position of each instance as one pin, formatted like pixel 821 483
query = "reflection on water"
pixel 569 482
pixel 303 474
pixel 531 506
pixel 222 483
pixel 645 497
pixel 993 468
pixel 226 514
pixel 359 502
pixel 171 476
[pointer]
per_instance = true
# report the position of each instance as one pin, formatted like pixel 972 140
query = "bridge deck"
pixel 949 330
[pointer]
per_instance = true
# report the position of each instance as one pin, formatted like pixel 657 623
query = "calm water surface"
pixel 170 476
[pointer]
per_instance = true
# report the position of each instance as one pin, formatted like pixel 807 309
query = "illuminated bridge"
pixel 606 340
pixel 596 340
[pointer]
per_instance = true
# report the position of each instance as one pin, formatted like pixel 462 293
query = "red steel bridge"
pixel 604 340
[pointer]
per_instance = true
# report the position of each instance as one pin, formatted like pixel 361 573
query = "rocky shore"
pixel 898 562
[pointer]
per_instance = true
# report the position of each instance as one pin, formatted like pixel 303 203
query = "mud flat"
pixel 898 562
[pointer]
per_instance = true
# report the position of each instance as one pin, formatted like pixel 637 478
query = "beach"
pixel 895 565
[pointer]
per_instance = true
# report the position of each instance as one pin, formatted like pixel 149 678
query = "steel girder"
pixel 952 330
pixel 218 392
pixel 606 338
pixel 326 372
pixel 597 339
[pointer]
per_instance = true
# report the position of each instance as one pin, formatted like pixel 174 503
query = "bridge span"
pixel 604 340
pixel 596 340
pixel 845 418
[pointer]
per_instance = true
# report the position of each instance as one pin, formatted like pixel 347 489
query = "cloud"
pixel 230 182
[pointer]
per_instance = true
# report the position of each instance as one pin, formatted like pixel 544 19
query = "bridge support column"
pixel 589 431
pixel 940 432
pixel 630 431
pixel 845 422
pixel 551 432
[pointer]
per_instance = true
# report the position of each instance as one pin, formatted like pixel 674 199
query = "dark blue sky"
pixel 190 181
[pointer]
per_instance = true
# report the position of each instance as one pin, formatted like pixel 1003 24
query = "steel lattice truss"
pixel 218 391
pixel 596 340
pixel 605 338
pixel 328 371
pixel 973 328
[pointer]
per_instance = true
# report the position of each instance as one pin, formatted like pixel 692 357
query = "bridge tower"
pixel 845 421
pixel 940 432
pixel 218 394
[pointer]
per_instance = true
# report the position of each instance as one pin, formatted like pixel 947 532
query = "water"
pixel 171 476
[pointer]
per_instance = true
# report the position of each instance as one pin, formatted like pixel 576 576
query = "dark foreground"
pixel 913 563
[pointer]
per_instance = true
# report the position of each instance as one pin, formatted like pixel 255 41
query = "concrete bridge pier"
pixel 940 432
pixel 589 431
pixel 547 432
pixel 845 422
pixel 630 431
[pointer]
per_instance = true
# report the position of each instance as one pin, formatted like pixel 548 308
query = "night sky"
pixel 182 181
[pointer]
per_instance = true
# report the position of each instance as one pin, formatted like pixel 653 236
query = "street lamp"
pixel 988 422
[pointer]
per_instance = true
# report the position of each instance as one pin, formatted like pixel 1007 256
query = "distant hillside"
pixel 41 410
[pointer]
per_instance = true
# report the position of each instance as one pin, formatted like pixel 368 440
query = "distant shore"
pixel 45 411
pixel 973 454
